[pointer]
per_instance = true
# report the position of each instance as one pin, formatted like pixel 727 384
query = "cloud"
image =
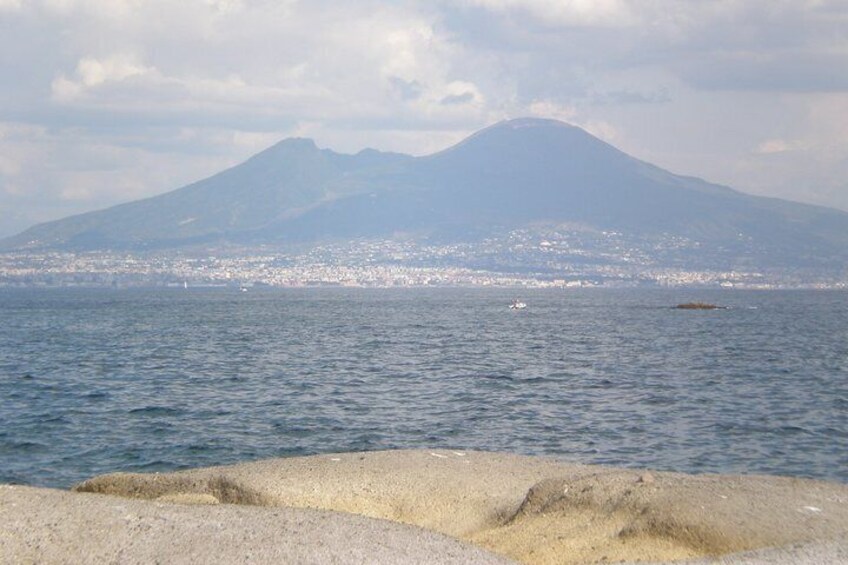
pixel 247 62
pixel 407 90
pixel 550 109
pixel 807 71
pixel 729 45
pixel 771 146
pixel 10 5
pixel 457 99
pixel 612 13
pixel 92 72
pixel 107 100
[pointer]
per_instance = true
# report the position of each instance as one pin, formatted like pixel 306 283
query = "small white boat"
pixel 517 305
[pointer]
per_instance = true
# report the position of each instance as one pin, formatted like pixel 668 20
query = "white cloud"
pixel 404 51
pixel 105 9
pixel 9 166
pixel 771 146
pixel 10 5
pixel 728 90
pixel 550 109
pixel 92 72
pixel 226 6
pixel 568 12
pixel 260 61
pixel 116 68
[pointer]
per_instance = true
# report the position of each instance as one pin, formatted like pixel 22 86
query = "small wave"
pixel 55 419
pixel 12 479
pixel 794 430
pixel 482 376
pixel 535 380
pixel 745 429
pixel 507 378
pixel 603 383
pixel 658 400
pixel 24 447
pixel 155 465
pixel 155 411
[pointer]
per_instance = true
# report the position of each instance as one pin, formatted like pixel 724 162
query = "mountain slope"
pixel 513 174
pixel 281 182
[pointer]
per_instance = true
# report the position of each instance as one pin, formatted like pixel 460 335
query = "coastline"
pixel 392 506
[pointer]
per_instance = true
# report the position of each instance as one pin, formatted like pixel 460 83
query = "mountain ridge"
pixel 511 174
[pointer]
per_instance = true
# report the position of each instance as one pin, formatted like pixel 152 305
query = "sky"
pixel 108 101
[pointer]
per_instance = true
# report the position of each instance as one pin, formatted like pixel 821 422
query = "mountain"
pixel 515 174
pixel 280 183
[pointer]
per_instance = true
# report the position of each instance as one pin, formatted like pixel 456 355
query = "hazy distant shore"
pixel 376 266
pixel 531 509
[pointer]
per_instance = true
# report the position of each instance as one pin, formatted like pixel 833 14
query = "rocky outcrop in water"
pixel 699 306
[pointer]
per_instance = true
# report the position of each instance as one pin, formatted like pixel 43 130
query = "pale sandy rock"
pixel 47 526
pixel 535 510
pixel 810 553
pixel 453 492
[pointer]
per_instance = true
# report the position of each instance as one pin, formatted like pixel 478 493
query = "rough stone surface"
pixel 531 509
pixel 51 526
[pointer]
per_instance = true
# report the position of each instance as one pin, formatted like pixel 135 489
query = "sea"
pixel 101 380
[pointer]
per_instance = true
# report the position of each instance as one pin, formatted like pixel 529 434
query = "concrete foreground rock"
pixel 51 526
pixel 531 509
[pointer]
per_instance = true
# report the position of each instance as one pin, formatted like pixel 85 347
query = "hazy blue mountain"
pixel 517 173
pixel 276 185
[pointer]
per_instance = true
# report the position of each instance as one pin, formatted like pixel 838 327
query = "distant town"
pixel 521 258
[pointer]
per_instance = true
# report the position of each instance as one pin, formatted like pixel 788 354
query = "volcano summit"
pixel 523 174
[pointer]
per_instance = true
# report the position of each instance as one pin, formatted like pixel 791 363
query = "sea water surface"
pixel 95 381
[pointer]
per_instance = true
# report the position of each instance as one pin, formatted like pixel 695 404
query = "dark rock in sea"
pixel 699 306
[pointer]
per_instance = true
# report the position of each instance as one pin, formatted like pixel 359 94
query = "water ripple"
pixel 98 381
